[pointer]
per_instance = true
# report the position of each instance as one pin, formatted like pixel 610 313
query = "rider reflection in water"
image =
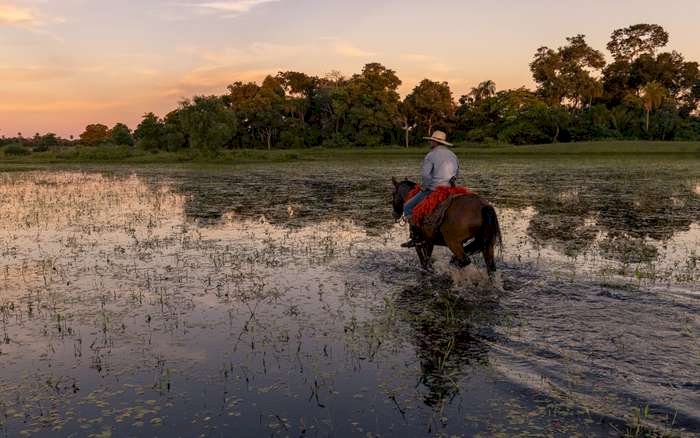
pixel 440 169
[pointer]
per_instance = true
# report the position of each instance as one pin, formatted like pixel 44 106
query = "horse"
pixel 470 225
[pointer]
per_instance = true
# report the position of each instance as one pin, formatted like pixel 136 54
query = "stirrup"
pixel 415 239
pixel 413 243
pixel 410 244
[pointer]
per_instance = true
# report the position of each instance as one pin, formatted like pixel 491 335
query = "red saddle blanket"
pixel 432 201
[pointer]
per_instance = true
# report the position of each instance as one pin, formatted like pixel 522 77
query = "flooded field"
pixel 275 300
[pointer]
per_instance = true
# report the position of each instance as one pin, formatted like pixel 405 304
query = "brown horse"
pixel 470 225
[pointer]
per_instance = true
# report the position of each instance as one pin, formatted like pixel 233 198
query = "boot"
pixel 416 238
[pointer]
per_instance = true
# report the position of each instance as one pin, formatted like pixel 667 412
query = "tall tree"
pixel 268 107
pixel 483 91
pixel 148 133
pixel 373 105
pixel 261 108
pixel 332 101
pixel 94 134
pixel 652 96
pixel 629 43
pixel 568 73
pixel 209 124
pixel 299 90
pixel 121 135
pixel 432 103
pixel 173 136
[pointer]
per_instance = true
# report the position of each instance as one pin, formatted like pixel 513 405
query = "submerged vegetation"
pixel 168 301
pixel 645 93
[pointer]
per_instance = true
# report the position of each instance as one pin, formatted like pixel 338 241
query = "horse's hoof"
pixel 461 263
pixel 428 270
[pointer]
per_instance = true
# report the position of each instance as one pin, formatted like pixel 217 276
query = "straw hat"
pixel 439 137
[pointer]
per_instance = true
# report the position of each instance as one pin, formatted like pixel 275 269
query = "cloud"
pixel 218 68
pixel 216 79
pixel 417 57
pixel 231 8
pixel 32 73
pixel 351 51
pixel 58 105
pixel 258 53
pixel 17 16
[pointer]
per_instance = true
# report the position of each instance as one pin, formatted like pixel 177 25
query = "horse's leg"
pixel 429 255
pixel 421 255
pixel 460 258
pixel 489 254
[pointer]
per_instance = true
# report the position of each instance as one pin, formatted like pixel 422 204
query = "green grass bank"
pixel 132 155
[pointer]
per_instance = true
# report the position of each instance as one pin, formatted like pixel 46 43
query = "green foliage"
pixel 566 73
pixel 336 141
pixel 261 109
pixel 652 96
pixel 95 134
pixel 483 91
pixel 628 43
pixel 373 106
pixel 16 150
pixel 148 133
pixel 430 104
pixel 208 123
pixel 643 94
pixel 121 135
pixel 42 143
pixel 108 152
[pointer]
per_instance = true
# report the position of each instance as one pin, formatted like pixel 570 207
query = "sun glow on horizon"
pixel 67 66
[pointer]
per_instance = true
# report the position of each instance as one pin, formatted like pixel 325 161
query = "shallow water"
pixel 275 300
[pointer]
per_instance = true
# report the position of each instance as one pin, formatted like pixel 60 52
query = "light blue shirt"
pixel 439 167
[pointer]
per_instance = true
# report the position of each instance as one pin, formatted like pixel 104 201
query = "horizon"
pixel 68 66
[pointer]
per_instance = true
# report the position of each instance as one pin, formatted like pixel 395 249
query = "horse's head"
pixel 398 198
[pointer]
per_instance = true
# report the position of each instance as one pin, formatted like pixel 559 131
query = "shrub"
pixel 16 150
pixel 106 152
pixel 336 141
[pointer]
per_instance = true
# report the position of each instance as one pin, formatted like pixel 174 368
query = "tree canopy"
pixel 644 93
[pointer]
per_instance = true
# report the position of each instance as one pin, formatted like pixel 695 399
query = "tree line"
pixel 644 93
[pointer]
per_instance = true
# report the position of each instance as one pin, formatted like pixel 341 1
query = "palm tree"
pixel 483 91
pixel 653 95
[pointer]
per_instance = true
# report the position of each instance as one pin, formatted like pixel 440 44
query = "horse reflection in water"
pixel 446 330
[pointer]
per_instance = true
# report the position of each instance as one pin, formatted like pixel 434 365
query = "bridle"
pixel 401 219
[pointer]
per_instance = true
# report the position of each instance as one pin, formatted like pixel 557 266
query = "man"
pixel 440 169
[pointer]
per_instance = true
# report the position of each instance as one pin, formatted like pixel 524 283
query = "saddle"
pixel 430 214
pixel 431 223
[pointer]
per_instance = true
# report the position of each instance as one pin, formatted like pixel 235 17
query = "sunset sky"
pixel 67 63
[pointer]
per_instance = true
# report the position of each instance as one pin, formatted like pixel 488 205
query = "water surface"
pixel 275 300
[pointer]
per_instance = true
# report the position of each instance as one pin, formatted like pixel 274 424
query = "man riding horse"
pixel 440 169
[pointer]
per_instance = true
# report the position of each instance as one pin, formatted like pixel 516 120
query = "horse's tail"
pixel 491 229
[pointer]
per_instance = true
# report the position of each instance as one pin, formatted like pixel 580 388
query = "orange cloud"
pixel 232 8
pixel 349 50
pixel 57 105
pixel 15 15
pixel 219 77
pixel 32 73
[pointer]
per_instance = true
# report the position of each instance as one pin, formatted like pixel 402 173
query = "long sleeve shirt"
pixel 439 167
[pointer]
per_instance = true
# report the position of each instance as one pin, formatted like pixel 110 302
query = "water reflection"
pixel 573 207
pixel 446 332
pixel 167 292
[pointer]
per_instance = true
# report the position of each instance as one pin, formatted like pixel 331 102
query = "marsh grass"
pixel 137 316
pixel 133 155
